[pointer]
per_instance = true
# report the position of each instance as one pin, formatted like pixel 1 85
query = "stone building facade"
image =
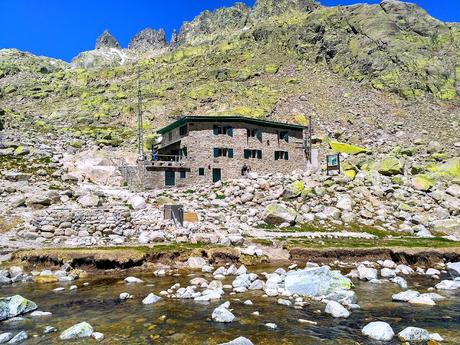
pixel 206 149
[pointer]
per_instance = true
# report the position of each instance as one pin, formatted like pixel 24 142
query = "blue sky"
pixel 62 29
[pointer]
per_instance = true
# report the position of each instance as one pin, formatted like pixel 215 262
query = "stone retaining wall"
pixel 100 222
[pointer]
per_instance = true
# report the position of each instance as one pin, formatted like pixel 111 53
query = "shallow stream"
pixel 188 322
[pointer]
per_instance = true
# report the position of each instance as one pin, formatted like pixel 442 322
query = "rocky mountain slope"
pixel 385 77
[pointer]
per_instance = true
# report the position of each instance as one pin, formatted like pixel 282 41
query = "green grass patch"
pixel 407 242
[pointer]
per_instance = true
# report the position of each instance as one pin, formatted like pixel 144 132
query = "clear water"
pixel 188 322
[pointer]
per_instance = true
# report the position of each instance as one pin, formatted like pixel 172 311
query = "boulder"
pixel 278 214
pixel 18 338
pixel 239 341
pixel 454 269
pixel 366 273
pixel 196 262
pixel 454 190
pixel 151 299
pixel 222 314
pixel 378 330
pixel 137 202
pixel 80 330
pixel 316 281
pixel 131 280
pixel 5 337
pixel 344 202
pixel 336 309
pixel 390 166
pixel 13 306
pixel 422 300
pixel 423 182
pixel 293 190
pixel 89 200
pixel 447 226
pixel 405 296
pixel 414 334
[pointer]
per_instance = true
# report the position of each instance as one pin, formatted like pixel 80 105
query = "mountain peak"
pixel 148 39
pixel 106 40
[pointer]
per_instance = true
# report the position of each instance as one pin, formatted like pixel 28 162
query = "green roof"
pixel 226 118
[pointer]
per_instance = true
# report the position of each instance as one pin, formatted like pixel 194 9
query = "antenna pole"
pixel 140 129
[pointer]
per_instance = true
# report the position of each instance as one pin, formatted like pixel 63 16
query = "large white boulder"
pixel 137 202
pixel 15 305
pixel 454 269
pixel 366 273
pixel 336 309
pixel 414 334
pixel 316 281
pixel 378 330
pixel 405 296
pixel 80 330
pixel 222 314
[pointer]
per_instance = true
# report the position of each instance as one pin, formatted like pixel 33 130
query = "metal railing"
pixel 168 158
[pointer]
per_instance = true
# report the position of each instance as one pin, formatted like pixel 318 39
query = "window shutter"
pixel 259 154
pixel 216 130
pixel 230 153
pixel 277 155
pixel 286 155
pixel 216 152
pixel 230 131
pixel 247 153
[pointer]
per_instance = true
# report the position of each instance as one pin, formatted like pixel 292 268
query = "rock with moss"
pixel 293 190
pixel 14 306
pixel 390 166
pixel 21 150
pixel 346 148
pixel 278 214
pixel 423 182
pixel 80 330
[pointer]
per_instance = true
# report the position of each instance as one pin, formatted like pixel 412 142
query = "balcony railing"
pixel 167 158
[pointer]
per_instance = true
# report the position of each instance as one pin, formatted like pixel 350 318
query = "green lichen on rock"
pixel 390 166
pixel 346 148
pixel 293 190
pixel 423 182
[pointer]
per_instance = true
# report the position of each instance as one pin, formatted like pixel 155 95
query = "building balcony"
pixel 173 161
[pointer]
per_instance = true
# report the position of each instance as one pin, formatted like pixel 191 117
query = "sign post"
pixel 333 163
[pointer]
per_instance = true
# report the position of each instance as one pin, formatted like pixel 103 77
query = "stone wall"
pixel 62 224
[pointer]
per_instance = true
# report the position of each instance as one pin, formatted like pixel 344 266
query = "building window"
pixel 183 152
pixel 281 155
pixel 200 171
pixel 254 133
pixel 183 174
pixel 223 152
pixel 284 135
pixel 183 131
pixel 252 154
pixel 218 130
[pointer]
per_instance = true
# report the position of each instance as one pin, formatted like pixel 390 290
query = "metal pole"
pixel 140 130
pixel 310 135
